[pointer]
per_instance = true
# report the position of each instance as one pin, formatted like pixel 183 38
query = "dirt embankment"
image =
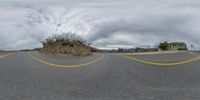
pixel 65 50
pixel 66 45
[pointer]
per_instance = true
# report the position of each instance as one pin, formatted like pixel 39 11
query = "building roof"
pixel 177 43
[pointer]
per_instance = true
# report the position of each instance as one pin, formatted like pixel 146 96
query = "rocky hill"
pixel 66 44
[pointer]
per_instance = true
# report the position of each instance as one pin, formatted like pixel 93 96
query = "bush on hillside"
pixel 68 44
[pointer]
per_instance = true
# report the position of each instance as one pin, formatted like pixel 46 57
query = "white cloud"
pixel 105 23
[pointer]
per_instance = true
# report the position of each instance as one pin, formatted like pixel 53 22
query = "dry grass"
pixel 65 46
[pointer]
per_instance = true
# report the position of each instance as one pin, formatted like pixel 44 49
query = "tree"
pixel 120 49
pixel 163 46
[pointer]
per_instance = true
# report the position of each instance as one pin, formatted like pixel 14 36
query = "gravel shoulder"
pixel 2 54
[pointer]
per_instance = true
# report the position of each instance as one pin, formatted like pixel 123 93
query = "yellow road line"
pixel 162 64
pixel 67 66
pixel 153 53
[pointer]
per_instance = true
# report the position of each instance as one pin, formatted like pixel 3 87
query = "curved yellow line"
pixel 162 64
pixel 66 66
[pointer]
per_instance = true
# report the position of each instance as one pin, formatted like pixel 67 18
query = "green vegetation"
pixel 163 46
pixel 35 49
pixel 66 44
pixel 123 50
pixel 119 50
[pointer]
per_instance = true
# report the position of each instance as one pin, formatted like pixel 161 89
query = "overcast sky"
pixel 105 23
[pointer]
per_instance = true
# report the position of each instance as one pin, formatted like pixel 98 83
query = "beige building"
pixel 177 46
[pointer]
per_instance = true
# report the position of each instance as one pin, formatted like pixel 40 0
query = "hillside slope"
pixel 66 45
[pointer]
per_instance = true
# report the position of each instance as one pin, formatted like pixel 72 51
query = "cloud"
pixel 105 23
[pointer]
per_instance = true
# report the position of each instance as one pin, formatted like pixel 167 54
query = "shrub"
pixel 66 44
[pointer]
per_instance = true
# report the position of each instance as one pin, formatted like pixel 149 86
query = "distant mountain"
pixel 1 50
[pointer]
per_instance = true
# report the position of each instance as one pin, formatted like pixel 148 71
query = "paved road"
pixel 170 57
pixel 111 78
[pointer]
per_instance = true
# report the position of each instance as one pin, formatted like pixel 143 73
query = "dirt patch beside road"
pixel 4 54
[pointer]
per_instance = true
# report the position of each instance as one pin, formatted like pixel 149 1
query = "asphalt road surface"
pixel 33 76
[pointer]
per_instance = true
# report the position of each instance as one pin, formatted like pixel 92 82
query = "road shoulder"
pixel 4 55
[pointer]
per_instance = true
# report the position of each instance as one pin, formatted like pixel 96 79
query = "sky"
pixel 104 23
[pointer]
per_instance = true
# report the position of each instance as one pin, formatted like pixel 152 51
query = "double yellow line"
pixel 162 64
pixel 131 58
pixel 67 66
